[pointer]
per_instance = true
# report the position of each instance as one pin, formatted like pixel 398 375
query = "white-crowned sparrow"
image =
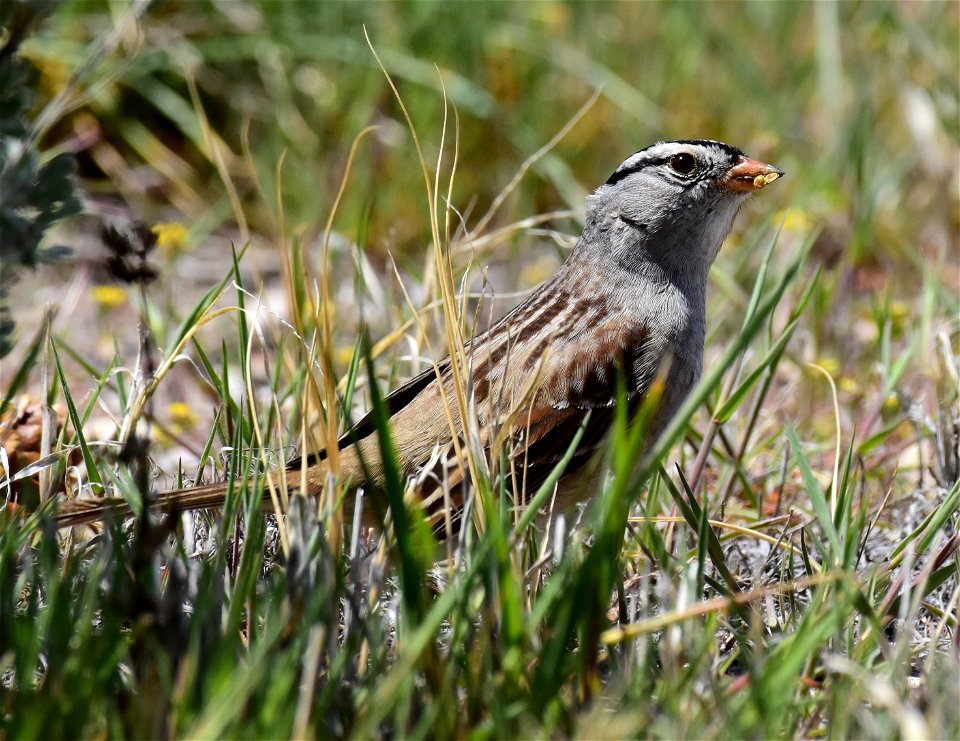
pixel 630 300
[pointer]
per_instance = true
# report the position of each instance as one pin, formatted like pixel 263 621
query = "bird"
pixel 626 308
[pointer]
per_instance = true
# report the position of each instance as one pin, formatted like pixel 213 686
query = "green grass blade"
pixel 92 471
pixel 818 499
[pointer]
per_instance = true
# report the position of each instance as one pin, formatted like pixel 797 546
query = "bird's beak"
pixel 748 176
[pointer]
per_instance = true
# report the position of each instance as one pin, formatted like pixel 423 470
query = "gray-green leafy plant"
pixel 34 192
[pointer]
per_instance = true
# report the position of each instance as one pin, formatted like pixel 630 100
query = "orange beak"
pixel 748 176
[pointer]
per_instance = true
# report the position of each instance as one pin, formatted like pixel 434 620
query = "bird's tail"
pixel 174 501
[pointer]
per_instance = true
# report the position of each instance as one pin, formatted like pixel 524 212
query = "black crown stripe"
pixel 625 172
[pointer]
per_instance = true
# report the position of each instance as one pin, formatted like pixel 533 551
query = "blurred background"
pixel 219 123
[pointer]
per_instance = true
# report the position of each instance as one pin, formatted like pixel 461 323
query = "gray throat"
pixel 661 280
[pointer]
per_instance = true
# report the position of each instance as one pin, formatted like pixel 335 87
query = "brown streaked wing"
pixel 580 376
pixel 536 310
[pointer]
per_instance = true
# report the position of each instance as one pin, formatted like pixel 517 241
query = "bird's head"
pixel 675 201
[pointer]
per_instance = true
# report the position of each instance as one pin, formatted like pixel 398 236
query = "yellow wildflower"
pixel 182 417
pixel 109 297
pixel 171 237
pixel 849 385
pixel 830 365
pixel 899 313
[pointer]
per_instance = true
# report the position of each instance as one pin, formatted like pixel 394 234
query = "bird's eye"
pixel 683 163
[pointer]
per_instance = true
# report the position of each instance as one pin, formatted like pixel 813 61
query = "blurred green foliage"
pixel 857 102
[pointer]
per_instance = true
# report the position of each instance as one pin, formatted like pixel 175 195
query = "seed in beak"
pixel 760 180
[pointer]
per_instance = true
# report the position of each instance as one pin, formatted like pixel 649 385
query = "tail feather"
pixel 174 501
pixel 83 511
pixel 212 496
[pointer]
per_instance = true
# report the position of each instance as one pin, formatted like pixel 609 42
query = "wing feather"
pixel 534 377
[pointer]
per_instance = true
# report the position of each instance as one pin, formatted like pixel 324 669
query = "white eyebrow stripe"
pixel 652 155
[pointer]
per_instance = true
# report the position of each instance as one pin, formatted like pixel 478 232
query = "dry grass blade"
pixel 720 604
pixel 502 196
pixel 451 315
